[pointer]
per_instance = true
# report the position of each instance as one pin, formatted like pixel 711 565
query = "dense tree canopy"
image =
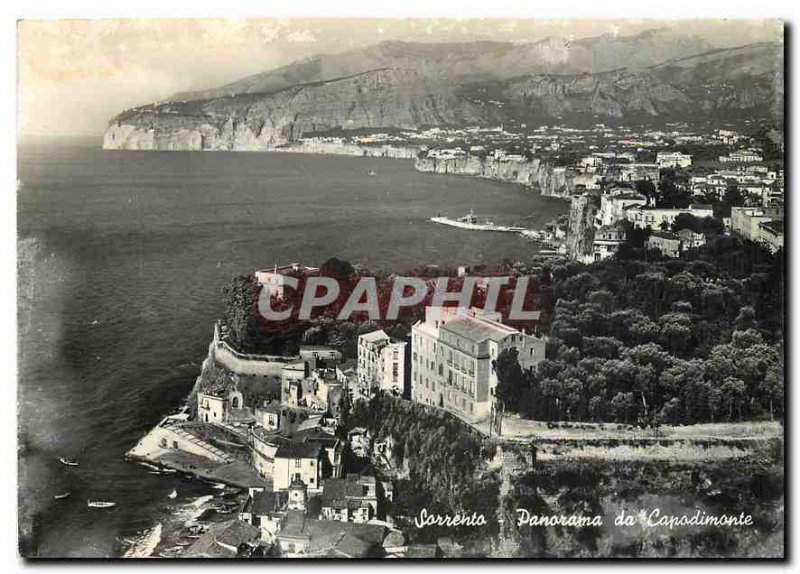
pixel 661 341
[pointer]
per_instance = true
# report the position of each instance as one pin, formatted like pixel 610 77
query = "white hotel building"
pixel 453 358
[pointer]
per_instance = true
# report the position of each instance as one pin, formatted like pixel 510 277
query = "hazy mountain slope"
pixel 613 94
pixel 747 77
pixel 473 61
pixel 431 86
pixel 717 83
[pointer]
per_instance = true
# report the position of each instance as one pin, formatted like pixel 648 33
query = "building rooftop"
pixel 222 539
pixel 627 197
pixel 271 407
pixel 263 503
pixel 478 330
pixel 350 546
pixel 688 233
pixel 339 489
pixel 325 535
pixel 775 226
pixel 318 436
pixel 665 235
pixel 375 336
pixel 288 268
pixel 296 449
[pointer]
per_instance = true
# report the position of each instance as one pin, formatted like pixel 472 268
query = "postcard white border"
pixel 52 9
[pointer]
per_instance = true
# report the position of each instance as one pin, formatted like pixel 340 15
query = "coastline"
pixel 526 448
pixel 552 181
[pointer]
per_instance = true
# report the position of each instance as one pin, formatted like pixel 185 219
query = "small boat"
pixel 61 496
pixel 372 172
pixel 100 504
pixel 68 462
pixel 173 494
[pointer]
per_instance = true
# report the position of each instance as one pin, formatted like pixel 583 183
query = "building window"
pixel 297 463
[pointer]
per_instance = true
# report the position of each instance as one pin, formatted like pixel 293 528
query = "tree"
pixel 705 225
pixel 676 331
pixel 732 196
pixel 337 268
pixel 670 412
pixel 771 390
pixel 746 318
pixel 622 406
pixel 733 392
pixel 511 382
pixel 645 187
pixel 673 189
pixel 240 315
pixel 605 347
pixel 687 221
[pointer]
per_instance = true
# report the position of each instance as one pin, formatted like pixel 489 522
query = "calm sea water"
pixel 123 256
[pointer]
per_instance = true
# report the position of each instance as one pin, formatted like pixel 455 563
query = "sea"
pixel 122 258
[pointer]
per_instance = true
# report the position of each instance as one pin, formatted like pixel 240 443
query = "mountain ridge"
pixel 483 59
pixel 716 83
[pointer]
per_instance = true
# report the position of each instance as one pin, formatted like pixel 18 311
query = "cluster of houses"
pixel 742 156
pixel 601 168
pixel 621 208
pixel 606 202
pixel 760 184
pixel 306 501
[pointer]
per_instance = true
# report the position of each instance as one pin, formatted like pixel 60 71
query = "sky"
pixel 75 75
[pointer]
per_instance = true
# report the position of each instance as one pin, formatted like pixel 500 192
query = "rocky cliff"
pixel 551 180
pixel 580 229
pixel 398 98
pixel 411 86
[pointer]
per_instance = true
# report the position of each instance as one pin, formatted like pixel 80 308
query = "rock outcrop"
pixel 580 229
